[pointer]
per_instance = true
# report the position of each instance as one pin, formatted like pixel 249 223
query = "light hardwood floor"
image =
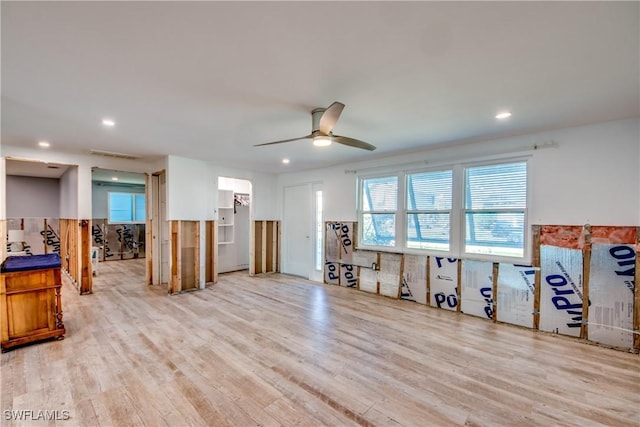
pixel 280 350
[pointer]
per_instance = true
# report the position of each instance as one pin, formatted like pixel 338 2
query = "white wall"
pixel 32 197
pixel 69 193
pixel 84 165
pixel 192 188
pixel 100 196
pixel 3 192
pixel 591 177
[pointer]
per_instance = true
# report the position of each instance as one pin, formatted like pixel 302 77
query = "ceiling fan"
pixel 323 121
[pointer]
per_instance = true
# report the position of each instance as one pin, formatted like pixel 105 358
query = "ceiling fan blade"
pixel 330 117
pixel 284 140
pixel 352 142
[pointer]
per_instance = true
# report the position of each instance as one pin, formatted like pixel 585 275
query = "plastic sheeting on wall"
pixel 443 281
pixel 611 287
pixel 414 280
pixel 561 290
pixel 389 274
pixel 516 288
pixel 477 288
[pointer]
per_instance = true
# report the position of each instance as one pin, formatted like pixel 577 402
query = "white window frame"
pixel 451 211
pixel 457 232
pixel 526 256
pixel 399 220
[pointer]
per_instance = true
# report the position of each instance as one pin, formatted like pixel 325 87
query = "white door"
pixel 297 229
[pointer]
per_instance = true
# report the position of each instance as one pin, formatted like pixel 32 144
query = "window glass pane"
pixel 428 231
pixel 497 186
pixel 141 209
pixel 379 229
pixel 120 207
pixel 380 194
pixel 429 190
pixel 495 234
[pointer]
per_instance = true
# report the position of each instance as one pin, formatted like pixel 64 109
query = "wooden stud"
pixel 428 281
pixel 208 251
pixel 196 258
pixel 214 256
pixel 175 284
pixel 586 271
pixel 494 295
pixel 265 245
pixel 537 276
pixel 44 236
pixel 279 245
pixel 274 246
pixel 86 275
pixel 459 287
pixel 378 260
pixel 636 296
pixel 401 278
pixel 324 264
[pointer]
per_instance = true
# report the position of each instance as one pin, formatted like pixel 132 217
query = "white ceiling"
pixel 208 80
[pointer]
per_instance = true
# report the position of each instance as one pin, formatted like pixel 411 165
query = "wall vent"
pixel 113 154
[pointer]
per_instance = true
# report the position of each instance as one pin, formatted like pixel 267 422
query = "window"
pixel 379 201
pixel 127 207
pixel 495 209
pixel 429 201
pixel 477 210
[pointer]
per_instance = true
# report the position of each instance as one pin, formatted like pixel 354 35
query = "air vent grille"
pixel 113 154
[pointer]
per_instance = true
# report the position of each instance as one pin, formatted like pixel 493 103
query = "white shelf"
pixel 226 214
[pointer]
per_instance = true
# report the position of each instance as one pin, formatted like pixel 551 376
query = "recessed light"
pixel 285 161
pixel 114 178
pixel 503 115
pixel 44 144
pixel 108 122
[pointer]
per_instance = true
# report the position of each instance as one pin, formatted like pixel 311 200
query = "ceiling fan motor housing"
pixel 316 114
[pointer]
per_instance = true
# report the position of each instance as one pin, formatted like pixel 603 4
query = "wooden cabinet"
pixel 30 302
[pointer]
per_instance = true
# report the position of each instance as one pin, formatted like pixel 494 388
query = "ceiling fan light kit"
pixel 321 141
pixel 323 121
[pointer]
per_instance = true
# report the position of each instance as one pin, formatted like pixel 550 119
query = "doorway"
pixel 118 224
pixel 234 224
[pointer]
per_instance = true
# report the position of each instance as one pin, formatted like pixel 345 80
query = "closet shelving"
pixel 225 217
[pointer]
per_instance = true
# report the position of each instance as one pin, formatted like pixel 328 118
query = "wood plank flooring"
pixel 280 350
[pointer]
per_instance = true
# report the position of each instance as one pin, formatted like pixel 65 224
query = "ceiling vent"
pixel 112 154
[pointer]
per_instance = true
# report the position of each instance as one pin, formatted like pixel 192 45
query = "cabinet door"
pixel 30 313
